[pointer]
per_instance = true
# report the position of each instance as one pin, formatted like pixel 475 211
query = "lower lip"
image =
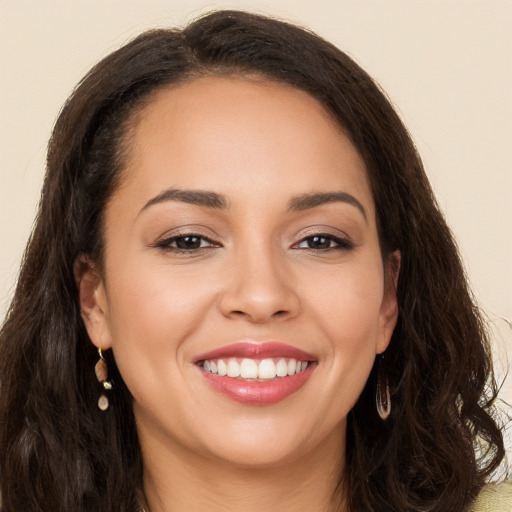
pixel 259 392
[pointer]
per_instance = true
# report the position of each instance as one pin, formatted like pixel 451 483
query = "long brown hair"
pixel 59 453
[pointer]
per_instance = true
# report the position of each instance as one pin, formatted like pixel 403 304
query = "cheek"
pixel 151 315
pixel 347 314
pixel 348 302
pixel 156 301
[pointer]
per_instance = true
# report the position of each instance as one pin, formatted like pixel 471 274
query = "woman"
pixel 240 294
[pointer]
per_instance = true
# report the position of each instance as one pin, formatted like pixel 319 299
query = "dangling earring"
pixel 101 371
pixel 382 397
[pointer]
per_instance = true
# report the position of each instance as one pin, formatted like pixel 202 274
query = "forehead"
pixel 240 134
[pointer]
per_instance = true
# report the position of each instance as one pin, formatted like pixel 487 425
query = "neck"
pixel 178 480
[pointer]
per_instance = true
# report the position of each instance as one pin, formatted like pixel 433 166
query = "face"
pixel 244 294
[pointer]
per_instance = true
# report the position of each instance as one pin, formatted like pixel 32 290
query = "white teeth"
pixel 265 369
pixel 248 369
pixel 233 368
pixel 221 368
pixel 281 368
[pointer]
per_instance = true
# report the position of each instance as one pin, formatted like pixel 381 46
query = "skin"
pixel 259 144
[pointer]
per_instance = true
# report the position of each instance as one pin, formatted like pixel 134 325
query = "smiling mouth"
pixel 254 370
pixel 256 373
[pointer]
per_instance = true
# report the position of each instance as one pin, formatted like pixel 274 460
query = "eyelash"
pixel 340 243
pixel 166 244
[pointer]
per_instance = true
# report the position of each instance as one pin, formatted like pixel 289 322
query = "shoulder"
pixel 494 498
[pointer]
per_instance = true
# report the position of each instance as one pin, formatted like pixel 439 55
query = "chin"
pixel 247 455
pixel 266 443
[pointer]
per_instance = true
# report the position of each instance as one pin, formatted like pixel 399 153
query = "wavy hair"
pixel 58 452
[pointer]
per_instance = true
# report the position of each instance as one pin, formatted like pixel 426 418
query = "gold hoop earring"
pixel 101 371
pixel 382 396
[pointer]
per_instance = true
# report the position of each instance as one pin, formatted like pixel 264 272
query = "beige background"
pixel 446 65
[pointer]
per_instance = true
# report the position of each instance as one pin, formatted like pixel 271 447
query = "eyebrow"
pixel 202 198
pixel 216 201
pixel 312 200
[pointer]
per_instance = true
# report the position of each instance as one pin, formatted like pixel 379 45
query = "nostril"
pixel 257 303
pixel 281 312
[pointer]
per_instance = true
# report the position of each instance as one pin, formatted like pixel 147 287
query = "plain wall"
pixel 446 65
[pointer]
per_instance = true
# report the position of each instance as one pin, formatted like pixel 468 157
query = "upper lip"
pixel 255 350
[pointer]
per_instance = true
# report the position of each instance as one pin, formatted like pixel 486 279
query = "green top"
pixel 494 498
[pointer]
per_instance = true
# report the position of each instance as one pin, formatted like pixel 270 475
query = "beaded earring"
pixel 101 371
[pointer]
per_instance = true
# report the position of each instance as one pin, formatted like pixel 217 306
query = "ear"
pixel 389 308
pixel 93 302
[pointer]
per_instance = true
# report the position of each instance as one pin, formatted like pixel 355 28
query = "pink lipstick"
pixel 254 373
pixel 257 351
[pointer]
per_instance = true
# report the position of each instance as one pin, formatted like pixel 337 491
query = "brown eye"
pixel 188 242
pixel 323 242
pixel 319 242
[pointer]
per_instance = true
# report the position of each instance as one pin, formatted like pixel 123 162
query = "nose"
pixel 259 288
